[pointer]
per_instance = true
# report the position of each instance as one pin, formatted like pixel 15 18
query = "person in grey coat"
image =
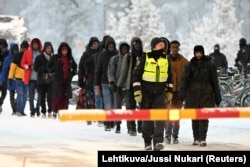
pixel 114 71
pixel 125 81
pixel 199 88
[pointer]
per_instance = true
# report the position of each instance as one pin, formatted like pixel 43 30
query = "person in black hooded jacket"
pixel 125 81
pixel 63 67
pixel 199 88
pixel 86 74
pixel 3 53
pixel 219 58
pixel 44 78
pixel 101 78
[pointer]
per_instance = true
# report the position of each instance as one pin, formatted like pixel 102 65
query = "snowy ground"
pixel 36 142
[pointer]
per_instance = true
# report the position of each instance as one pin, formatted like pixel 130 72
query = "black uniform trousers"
pixel 153 129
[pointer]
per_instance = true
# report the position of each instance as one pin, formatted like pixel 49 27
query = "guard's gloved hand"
pixel 169 97
pixel 138 96
pixel 169 92
pixel 113 86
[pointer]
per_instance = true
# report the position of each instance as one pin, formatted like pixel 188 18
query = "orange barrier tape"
pixel 152 114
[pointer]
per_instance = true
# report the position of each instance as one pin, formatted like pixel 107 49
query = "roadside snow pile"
pixel 13 28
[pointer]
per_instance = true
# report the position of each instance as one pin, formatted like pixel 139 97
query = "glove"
pixel 113 87
pixel 169 96
pixel 138 96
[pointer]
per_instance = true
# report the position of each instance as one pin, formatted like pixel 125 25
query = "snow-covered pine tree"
pixel 218 26
pixel 141 19
pixel 71 21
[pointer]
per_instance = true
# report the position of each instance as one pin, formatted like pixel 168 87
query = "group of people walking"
pixel 109 77
pixel 158 78
pixel 36 69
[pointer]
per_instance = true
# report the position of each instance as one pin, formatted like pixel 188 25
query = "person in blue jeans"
pixel 17 72
pixel 101 82
pixel 30 75
pixel 178 62
pixel 11 86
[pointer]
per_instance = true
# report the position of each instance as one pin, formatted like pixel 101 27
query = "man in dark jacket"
pixel 218 58
pixel 63 67
pixel 199 88
pixel 243 57
pixel 101 78
pixel 114 72
pixel 125 82
pixel 3 53
pixel 86 75
pixel 17 73
pixel 152 84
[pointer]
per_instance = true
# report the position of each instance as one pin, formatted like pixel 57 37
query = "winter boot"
pixel 203 143
pixel 175 140
pixel 148 146
pixel 158 146
pixel 118 129
pixel 168 139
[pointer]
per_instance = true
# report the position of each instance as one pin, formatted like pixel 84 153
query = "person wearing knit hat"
pixel 199 88
pixel 152 85
pixel 155 41
pixel 199 48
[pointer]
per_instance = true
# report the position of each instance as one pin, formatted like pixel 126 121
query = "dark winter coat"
pixel 129 64
pixel 115 64
pixel 41 67
pixel 199 85
pixel 243 56
pixel 6 67
pixel 86 66
pixel 219 59
pixel 3 54
pixel 55 67
pixel 101 76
